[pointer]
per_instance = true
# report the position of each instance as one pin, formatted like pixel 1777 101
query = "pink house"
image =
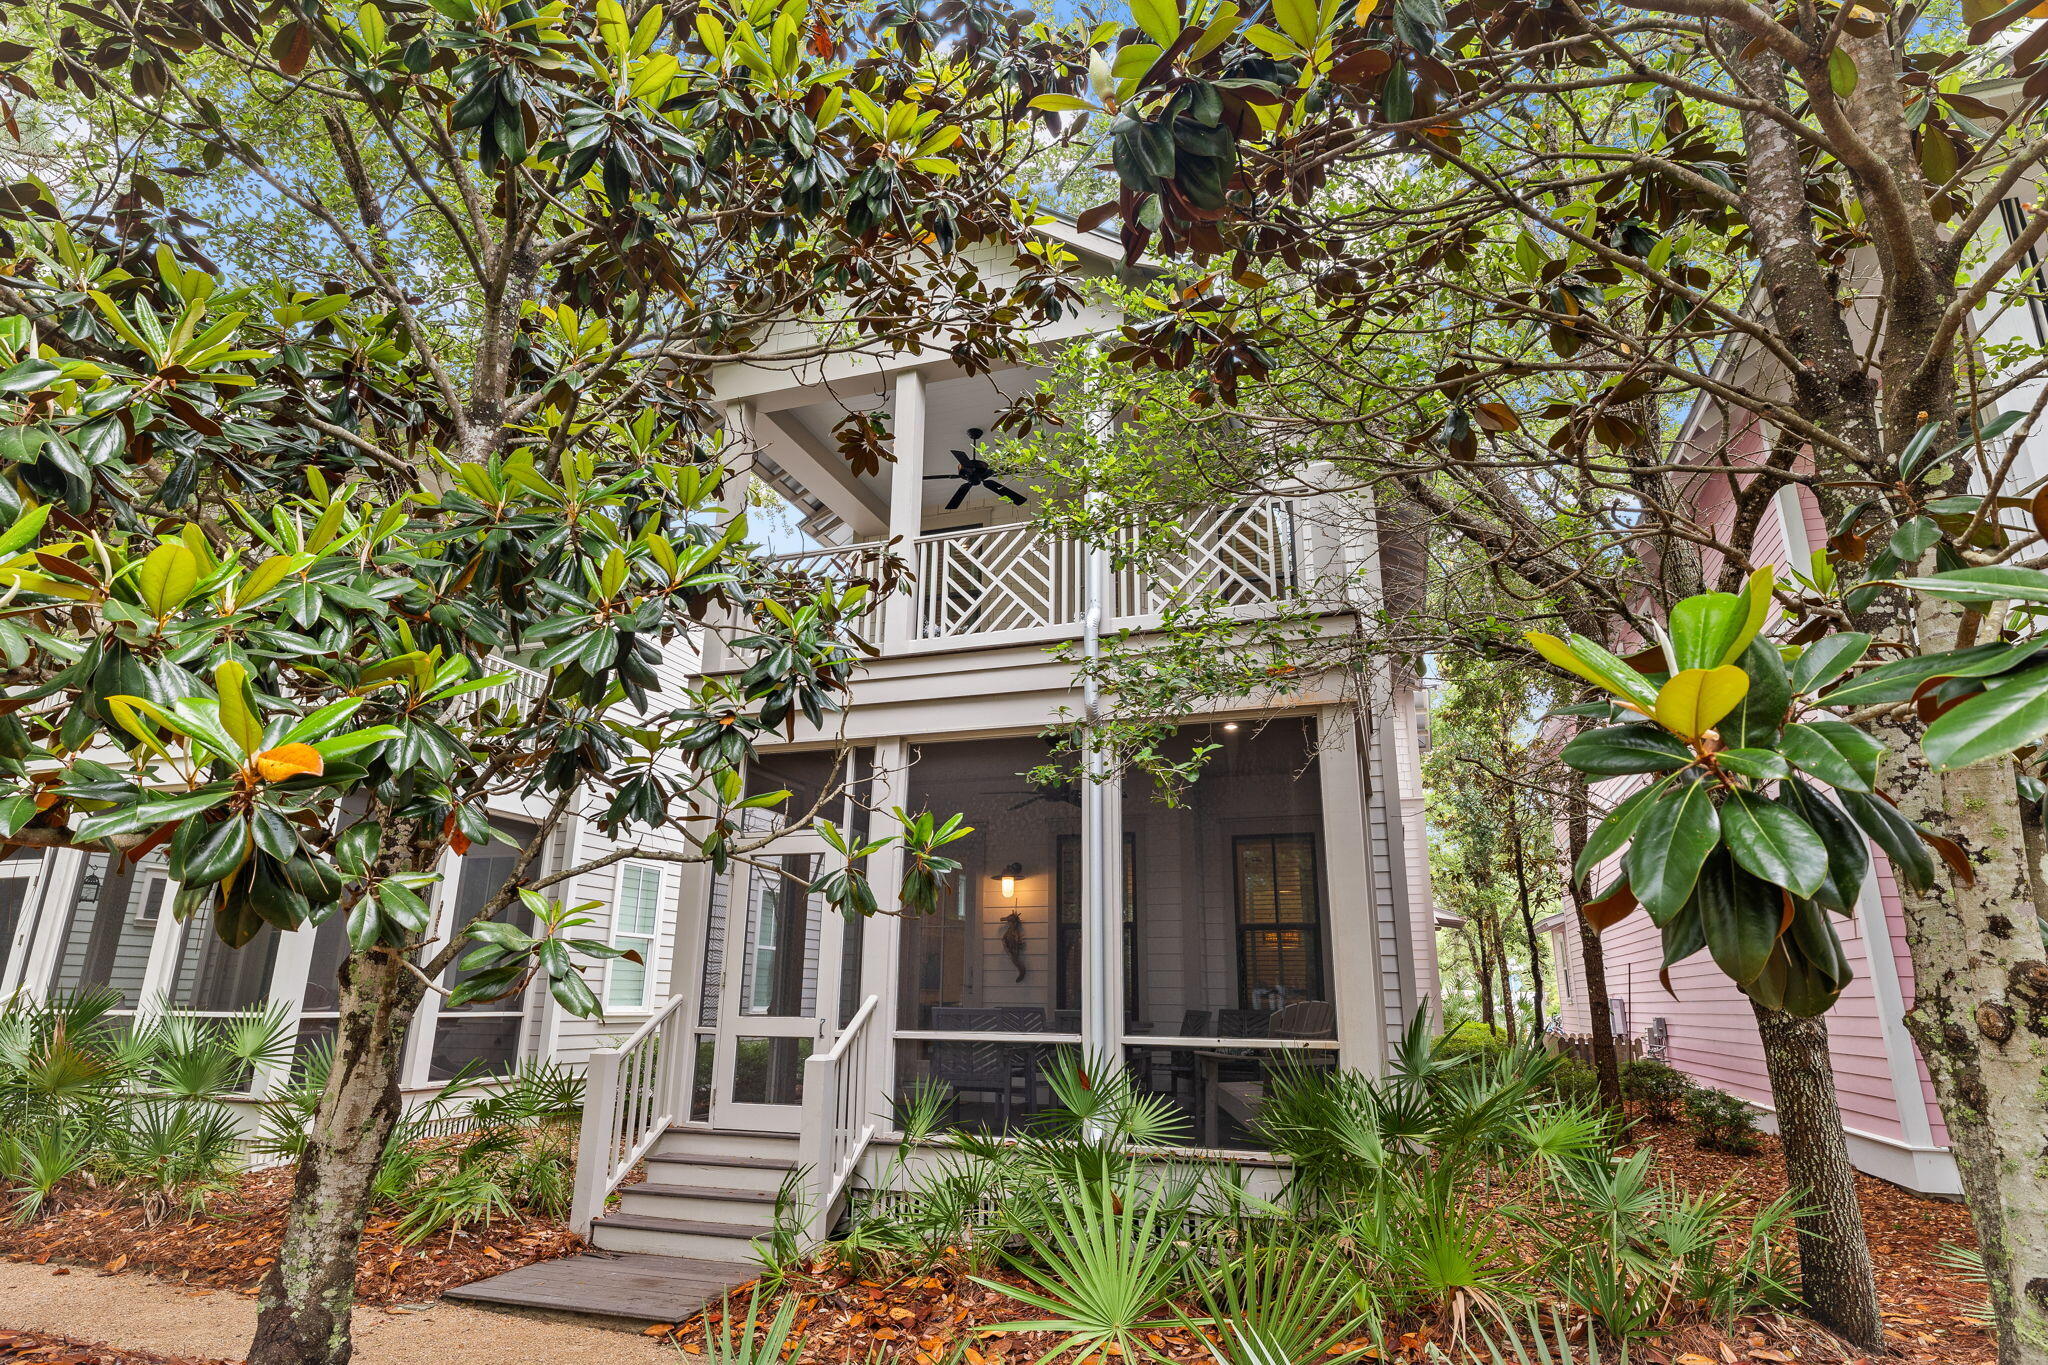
pixel 1703 1025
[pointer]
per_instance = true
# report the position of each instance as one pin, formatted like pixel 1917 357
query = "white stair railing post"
pixel 596 1140
pixel 816 1149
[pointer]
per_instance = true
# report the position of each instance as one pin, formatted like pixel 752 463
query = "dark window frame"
pixel 1311 931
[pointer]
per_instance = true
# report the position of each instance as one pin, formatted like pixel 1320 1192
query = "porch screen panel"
pixel 1231 955
pixel 985 961
pixel 15 889
pixel 211 977
pixel 1231 941
pixel 110 927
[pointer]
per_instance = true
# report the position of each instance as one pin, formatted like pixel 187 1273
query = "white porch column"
pixel 40 927
pixel 419 1044
pixel 288 973
pixel 1102 910
pixel 906 499
pixel 1353 919
pixel 881 953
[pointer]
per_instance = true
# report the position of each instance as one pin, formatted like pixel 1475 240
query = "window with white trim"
pixel 634 915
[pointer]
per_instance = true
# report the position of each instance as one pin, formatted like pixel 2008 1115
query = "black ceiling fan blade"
pixel 1004 491
pixel 929 477
pixel 964 458
pixel 958 497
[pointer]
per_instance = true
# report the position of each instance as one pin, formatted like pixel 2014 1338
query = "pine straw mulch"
pixel 924 1319
pixel 1926 1307
pixel 233 1243
pixel 39 1348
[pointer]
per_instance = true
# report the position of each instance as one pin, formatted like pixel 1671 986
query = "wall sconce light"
pixel 1230 727
pixel 1008 878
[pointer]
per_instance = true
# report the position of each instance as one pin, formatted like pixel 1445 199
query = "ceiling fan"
pixel 973 474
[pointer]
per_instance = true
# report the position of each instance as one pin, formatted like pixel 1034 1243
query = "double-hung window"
pixel 635 913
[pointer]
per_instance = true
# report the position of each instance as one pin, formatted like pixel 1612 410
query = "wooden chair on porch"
pixel 985 1066
pixel 1241 1098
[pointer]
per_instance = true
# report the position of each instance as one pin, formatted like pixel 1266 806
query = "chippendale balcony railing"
pixel 1015 581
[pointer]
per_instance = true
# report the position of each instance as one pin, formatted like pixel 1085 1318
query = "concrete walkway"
pixel 143 1313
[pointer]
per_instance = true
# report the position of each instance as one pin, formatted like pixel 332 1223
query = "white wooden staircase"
pixel 707 1195
pixel 686 1231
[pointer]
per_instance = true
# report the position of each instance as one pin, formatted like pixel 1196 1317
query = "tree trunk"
pixel 1980 1015
pixel 1578 820
pixel 1835 1277
pixel 1506 976
pixel 1529 931
pixel 1482 957
pixel 309 1294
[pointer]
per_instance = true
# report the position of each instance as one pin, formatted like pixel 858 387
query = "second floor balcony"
pixel 1015 583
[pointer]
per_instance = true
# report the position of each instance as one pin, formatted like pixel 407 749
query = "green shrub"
pixel 1572 1081
pixel 1471 1037
pixel 1657 1086
pixel 93 1097
pixel 513 1151
pixel 1721 1122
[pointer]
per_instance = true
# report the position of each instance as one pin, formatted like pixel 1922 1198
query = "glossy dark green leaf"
pixel 1834 751
pixel 1623 750
pixel 1672 840
pixel 1758 765
pixel 1912 861
pixel 1827 659
pixel 1754 722
pixel 1901 678
pixel 1741 915
pixel 1611 835
pixel 2005 716
pixel 1982 585
pixel 1772 842
pixel 221 850
pixel 1848 854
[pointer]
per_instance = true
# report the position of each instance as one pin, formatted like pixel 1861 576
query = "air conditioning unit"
pixel 1657 1037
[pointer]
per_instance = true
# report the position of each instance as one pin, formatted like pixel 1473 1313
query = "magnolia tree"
pixel 271 522
pixel 1505 236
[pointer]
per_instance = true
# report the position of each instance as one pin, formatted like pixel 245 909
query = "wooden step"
pixel 738 1163
pixel 755 1174
pixel 622 1290
pixel 724 1142
pixel 719 1204
pixel 700 1192
pixel 685 1237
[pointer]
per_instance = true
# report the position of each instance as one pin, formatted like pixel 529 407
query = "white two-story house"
pixel 1278 907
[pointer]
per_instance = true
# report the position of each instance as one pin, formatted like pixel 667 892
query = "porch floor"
pixel 630 1286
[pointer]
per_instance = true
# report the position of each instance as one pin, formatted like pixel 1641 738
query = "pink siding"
pixel 1711 1033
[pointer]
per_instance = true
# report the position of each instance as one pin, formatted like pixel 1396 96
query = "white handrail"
pixel 632 1094
pixel 838 1120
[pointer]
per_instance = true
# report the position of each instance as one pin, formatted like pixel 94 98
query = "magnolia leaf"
pixel 1827 659
pixel 1996 721
pixel 1769 840
pixel 238 714
pixel 1742 917
pixel 1623 750
pixel 1671 842
pixel 1696 699
pixel 288 761
pixel 1587 660
pixel 167 578
pixel 1834 751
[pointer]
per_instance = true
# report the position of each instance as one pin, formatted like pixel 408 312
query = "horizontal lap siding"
pixel 579 842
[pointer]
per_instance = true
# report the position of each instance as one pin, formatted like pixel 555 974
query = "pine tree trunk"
pixel 1836 1282
pixel 308 1297
pixel 1578 818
